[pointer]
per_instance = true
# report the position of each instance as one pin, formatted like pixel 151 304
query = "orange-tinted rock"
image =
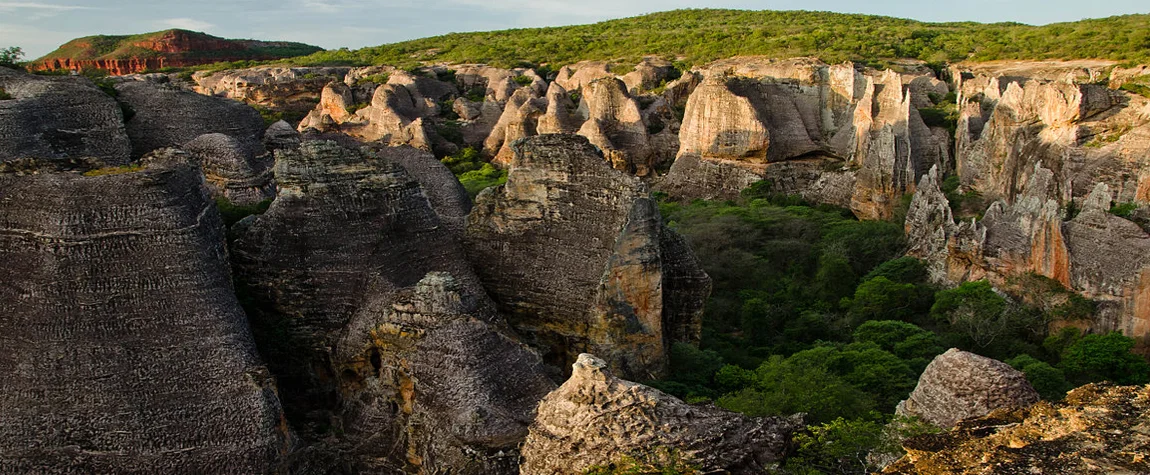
pixel 171 48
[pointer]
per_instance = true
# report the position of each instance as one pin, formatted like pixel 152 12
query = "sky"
pixel 40 26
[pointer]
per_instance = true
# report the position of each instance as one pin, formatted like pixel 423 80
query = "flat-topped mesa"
pixel 1095 431
pixel 597 419
pixel 166 116
pixel 369 312
pixel 125 348
pixel 128 54
pixel 59 118
pixel 1084 133
pixel 959 385
pixel 1096 254
pixel 798 123
pixel 575 253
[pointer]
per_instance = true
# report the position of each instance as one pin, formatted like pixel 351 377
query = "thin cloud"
pixel 42 6
pixel 186 24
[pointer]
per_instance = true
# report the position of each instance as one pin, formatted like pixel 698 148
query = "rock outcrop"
pixel 1084 133
pixel 576 255
pixel 808 127
pixel 615 125
pixel 374 322
pixel 167 116
pixel 59 118
pixel 596 419
pixel 293 90
pixel 124 348
pixel 1098 429
pixel 129 54
pixel 1101 256
pixel 959 385
pixel 231 170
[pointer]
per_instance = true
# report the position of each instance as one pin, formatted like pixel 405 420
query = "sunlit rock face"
pixel 596 418
pixel 577 256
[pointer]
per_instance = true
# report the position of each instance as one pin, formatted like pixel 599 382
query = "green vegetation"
pixel 524 80
pixel 233 213
pixel 473 172
pixel 813 311
pixel 120 170
pixel 4 96
pixel 1124 210
pixel 964 204
pixel 10 57
pixel 944 113
pixel 381 78
pixel 699 36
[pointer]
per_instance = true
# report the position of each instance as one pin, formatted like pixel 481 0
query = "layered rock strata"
pixel 231 171
pixel 59 118
pixel 577 256
pixel 959 385
pixel 167 116
pixel 596 419
pixel 124 348
pixel 1097 429
pixel 374 322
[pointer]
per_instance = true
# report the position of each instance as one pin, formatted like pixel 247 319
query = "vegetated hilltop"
pixel 699 36
pixel 127 54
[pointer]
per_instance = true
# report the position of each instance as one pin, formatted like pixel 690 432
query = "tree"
pixel 905 340
pixel 1050 382
pixel 1105 357
pixel 881 299
pixel 10 56
pixel 975 310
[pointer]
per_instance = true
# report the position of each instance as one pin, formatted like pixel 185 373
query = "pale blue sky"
pixel 40 25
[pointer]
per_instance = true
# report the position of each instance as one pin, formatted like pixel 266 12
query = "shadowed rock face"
pixel 431 384
pixel 124 348
pixel 958 385
pixel 166 116
pixel 59 118
pixel 596 418
pixel 1097 429
pixel 373 320
pixel 577 256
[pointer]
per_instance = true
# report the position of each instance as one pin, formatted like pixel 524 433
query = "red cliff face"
pixel 174 48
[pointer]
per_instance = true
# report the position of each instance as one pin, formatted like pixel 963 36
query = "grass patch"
pixel 115 170
pixel 4 96
pixel 381 78
pixel 232 213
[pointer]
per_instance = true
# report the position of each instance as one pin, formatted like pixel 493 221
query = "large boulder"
pixel 959 385
pixel 596 419
pixel 59 118
pixel 125 349
pixel 1098 429
pixel 577 256
pixel 166 116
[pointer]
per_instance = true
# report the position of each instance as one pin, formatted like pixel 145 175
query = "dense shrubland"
pixel 814 311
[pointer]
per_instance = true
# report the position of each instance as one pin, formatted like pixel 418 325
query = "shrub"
pixel 524 80
pixel 1050 382
pixel 1124 210
pixel 4 96
pixel 233 213
pixel 10 57
pixel 1104 357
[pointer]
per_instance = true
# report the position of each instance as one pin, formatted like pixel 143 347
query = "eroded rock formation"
pixel 1099 255
pixel 959 385
pixel 373 320
pixel 278 88
pixel 1098 429
pixel 59 118
pixel 167 116
pixel 595 419
pixel 810 128
pixel 125 349
pixel 577 256
pixel 231 171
